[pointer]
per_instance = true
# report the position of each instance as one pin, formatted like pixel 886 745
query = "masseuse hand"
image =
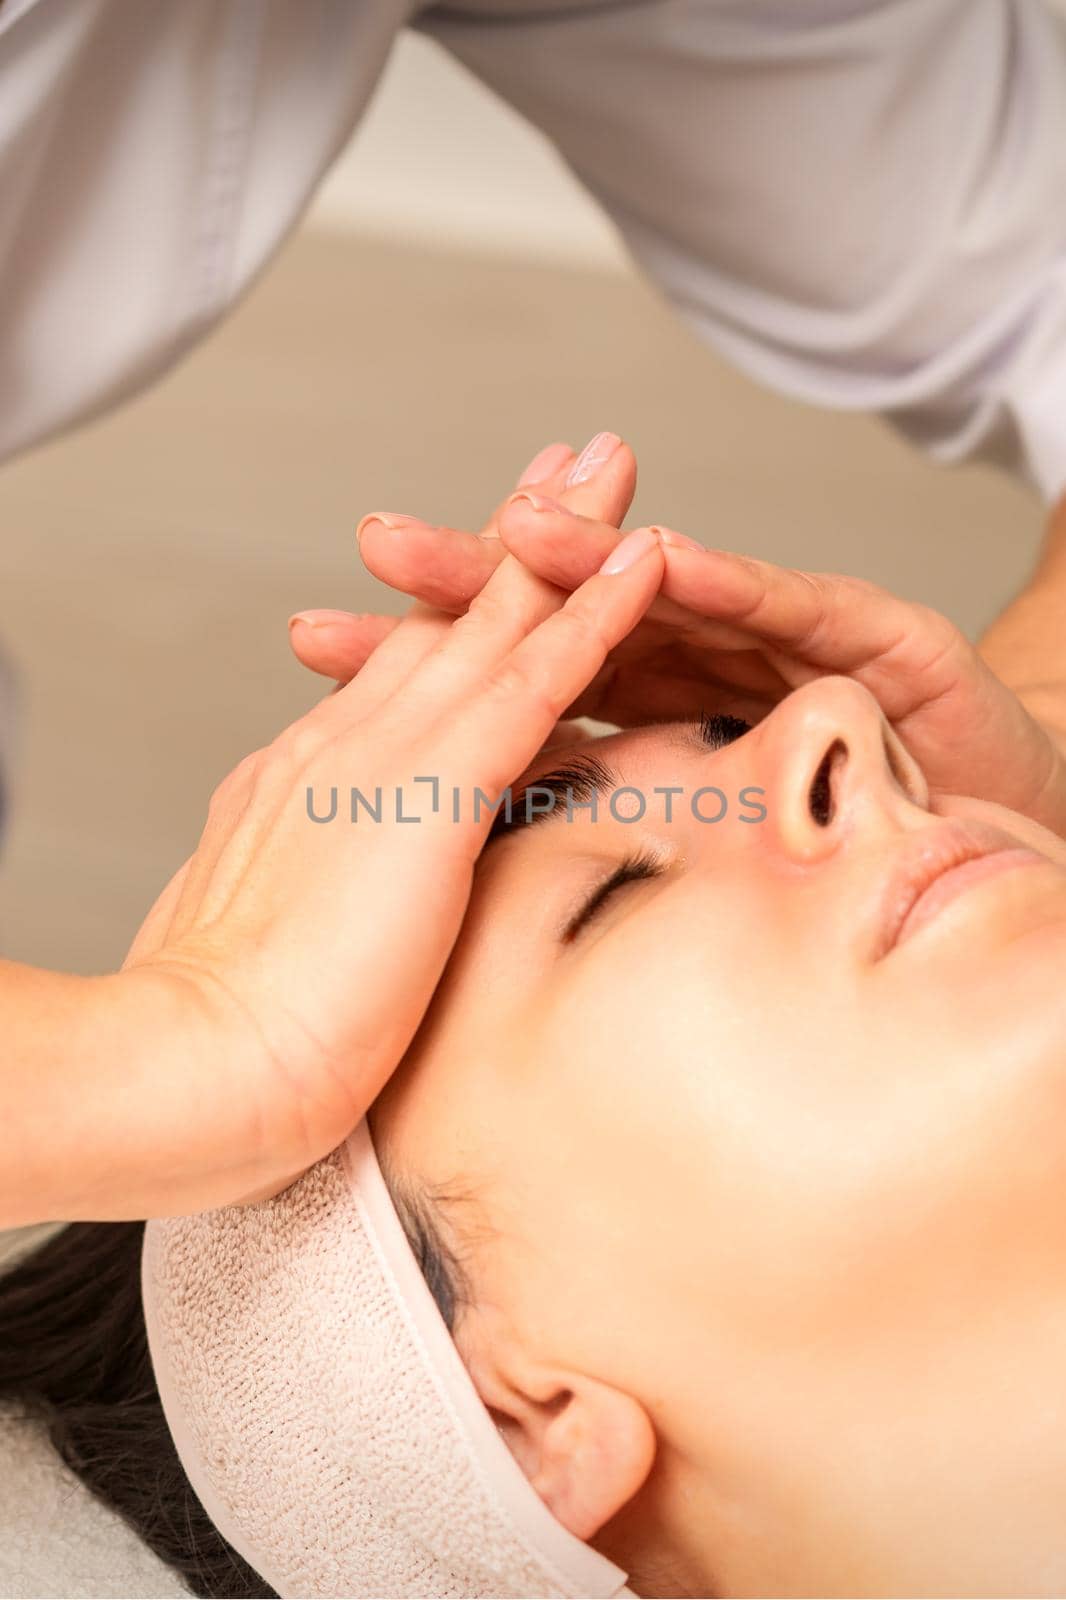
pixel 294 961
pixel 733 634
pixel 448 572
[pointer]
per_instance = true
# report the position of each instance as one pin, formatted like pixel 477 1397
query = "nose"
pixel 834 765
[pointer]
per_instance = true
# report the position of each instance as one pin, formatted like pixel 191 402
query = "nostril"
pixel 820 795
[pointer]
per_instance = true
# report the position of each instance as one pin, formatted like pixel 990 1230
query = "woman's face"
pixel 742 1147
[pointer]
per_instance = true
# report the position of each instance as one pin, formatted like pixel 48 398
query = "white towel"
pixel 324 1416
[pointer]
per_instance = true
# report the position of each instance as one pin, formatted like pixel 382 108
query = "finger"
pixel 829 621
pixel 565 548
pixel 337 643
pixel 547 463
pixel 554 540
pixel 602 481
pixel 511 605
pixel 443 567
pixel 446 567
pixel 418 633
pixel 599 483
pixel 355 696
pixel 501 727
pixel 807 622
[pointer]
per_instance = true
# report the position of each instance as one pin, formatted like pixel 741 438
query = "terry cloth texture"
pixel 322 1412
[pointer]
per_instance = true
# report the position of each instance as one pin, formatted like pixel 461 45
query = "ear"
pixel 584 1446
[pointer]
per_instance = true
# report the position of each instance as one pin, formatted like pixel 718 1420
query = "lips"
pixel 927 858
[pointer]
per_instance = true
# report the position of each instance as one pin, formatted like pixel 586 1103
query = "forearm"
pixel 50 1023
pixel 1026 645
pixel 83 1079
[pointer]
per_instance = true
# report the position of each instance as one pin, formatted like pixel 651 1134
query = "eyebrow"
pixel 584 777
pixel 576 784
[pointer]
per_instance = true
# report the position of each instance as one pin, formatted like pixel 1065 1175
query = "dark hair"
pixel 424 1215
pixel 74 1352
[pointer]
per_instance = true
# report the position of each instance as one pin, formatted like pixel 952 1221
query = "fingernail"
pixel 539 502
pixel 596 454
pixel 545 462
pixel 391 520
pixel 319 619
pixel 629 550
pixel 681 540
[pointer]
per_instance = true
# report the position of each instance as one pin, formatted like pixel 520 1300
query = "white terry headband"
pixel 322 1412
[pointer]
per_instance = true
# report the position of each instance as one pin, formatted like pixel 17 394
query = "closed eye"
pixel 641 865
pixel 717 730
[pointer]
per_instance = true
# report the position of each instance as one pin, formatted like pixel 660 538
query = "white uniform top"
pixel 862 202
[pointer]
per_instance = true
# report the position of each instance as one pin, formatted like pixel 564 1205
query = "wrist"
pixel 96 1069
pixel 55 1036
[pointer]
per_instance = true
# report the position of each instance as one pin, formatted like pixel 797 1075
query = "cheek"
pixel 841 1180
pixel 796 1153
pixel 686 1017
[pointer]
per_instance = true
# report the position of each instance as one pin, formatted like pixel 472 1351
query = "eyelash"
pixel 641 865
pixel 717 730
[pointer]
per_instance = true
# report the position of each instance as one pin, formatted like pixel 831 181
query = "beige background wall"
pixel 441 160
pixel 149 563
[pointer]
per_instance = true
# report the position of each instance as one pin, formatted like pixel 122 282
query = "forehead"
pixel 606 762
pixel 626 745
pixel 568 782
